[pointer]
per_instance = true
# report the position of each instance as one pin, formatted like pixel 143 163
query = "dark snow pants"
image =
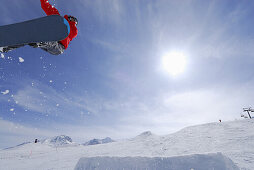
pixel 54 48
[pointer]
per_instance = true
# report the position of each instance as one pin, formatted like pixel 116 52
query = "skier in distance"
pixel 55 47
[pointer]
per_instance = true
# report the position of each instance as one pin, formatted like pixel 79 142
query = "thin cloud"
pixel 110 11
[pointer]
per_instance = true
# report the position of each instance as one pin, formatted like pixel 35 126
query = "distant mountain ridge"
pixel 64 140
pixel 61 140
pixel 99 141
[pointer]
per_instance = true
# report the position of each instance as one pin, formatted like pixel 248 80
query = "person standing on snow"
pixel 55 47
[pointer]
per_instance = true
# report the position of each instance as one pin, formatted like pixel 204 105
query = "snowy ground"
pixel 233 139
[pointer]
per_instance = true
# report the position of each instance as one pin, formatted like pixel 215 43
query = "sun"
pixel 174 63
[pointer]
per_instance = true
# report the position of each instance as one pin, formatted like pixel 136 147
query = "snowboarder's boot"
pixel 34 45
pixel 7 49
pixel 4 49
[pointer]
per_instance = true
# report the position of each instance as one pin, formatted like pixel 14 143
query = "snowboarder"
pixel 56 47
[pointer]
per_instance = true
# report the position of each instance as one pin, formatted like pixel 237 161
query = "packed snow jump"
pixel 52 33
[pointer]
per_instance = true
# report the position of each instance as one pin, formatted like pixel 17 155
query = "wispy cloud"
pixel 46 100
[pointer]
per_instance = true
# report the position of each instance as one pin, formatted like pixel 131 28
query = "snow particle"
pixel 21 60
pixel 11 109
pixel 5 92
pixel 2 56
pixel 51 81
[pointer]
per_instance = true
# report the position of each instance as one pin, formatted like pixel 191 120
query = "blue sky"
pixel 110 81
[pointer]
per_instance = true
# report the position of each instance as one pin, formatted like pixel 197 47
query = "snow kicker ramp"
pixel 191 162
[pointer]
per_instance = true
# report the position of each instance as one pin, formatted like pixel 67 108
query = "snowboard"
pixel 44 29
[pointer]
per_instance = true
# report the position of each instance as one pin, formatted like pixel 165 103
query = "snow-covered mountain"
pixel 99 141
pixel 61 140
pixel 144 135
pixel 235 140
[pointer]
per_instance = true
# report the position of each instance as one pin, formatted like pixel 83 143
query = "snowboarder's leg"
pixel 55 48
pixel 9 48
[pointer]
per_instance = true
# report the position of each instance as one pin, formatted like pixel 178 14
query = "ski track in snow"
pixel 234 139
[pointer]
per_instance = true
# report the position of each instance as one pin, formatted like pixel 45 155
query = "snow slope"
pixel 233 139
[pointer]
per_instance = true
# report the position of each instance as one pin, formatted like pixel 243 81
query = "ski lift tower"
pixel 248 110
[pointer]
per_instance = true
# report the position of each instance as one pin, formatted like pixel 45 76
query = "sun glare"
pixel 174 63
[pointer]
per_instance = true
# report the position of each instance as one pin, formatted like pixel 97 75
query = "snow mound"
pixel 99 141
pixel 206 161
pixel 58 141
pixel 145 136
